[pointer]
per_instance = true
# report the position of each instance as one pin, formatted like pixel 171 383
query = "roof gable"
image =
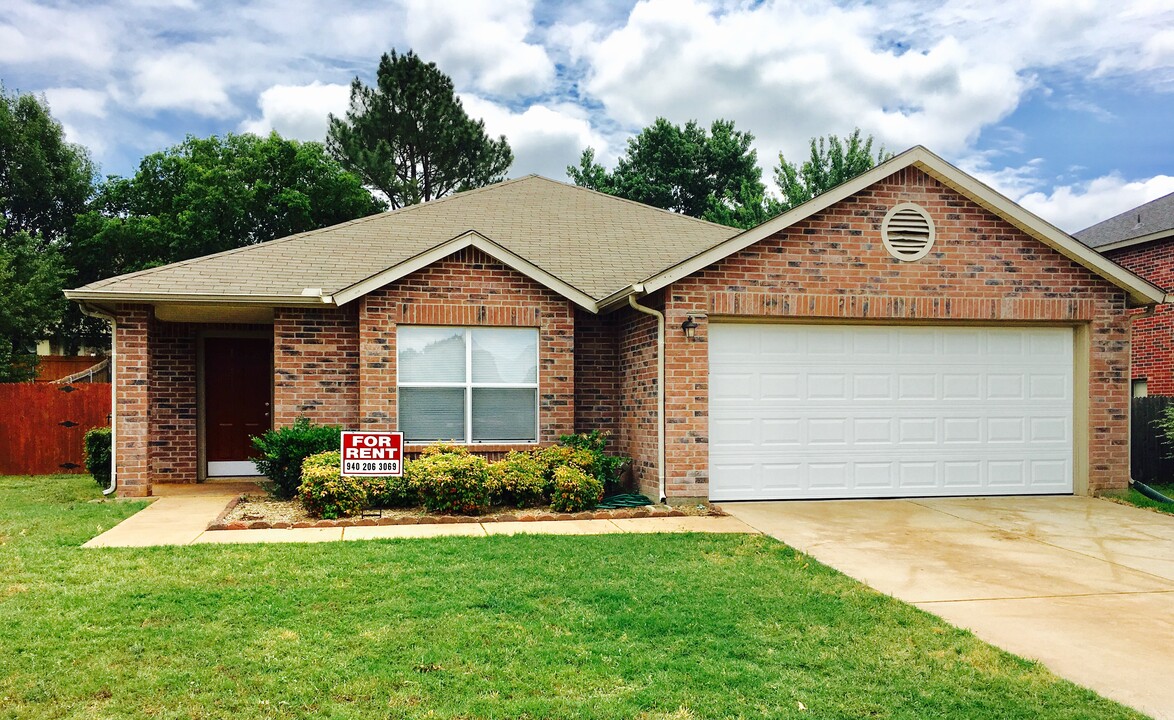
pixel 1140 292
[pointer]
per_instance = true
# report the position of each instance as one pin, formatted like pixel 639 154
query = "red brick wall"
pixel 834 265
pixel 173 402
pixel 597 379
pixel 638 411
pixel 1153 333
pixel 132 399
pixel 469 288
pixel 316 366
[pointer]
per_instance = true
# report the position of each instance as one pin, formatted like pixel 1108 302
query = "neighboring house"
pixel 1142 240
pixel 909 333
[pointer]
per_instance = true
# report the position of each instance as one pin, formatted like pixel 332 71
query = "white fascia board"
pixel 1140 291
pixel 469 239
pixel 195 298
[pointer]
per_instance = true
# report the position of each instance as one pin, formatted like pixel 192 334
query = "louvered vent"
pixel 908 232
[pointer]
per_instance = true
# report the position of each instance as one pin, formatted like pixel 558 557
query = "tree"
pixel 832 163
pixel 710 174
pixel 31 303
pixel 410 138
pixel 206 195
pixel 44 180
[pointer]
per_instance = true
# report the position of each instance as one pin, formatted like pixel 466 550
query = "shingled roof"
pixel 1152 221
pixel 586 244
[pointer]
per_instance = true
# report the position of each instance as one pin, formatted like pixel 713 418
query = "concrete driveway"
pixel 1085 586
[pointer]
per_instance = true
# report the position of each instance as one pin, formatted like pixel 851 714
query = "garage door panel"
pixel 899 411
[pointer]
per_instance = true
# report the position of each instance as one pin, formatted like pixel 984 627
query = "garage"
pixel 820 411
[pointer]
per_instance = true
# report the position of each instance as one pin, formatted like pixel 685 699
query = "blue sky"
pixel 1063 105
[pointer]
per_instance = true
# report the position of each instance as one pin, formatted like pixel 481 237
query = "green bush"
pixel 325 492
pixel 391 492
pixel 557 456
pixel 607 468
pixel 283 450
pixel 96 449
pixel 519 479
pixel 450 480
pixel 574 490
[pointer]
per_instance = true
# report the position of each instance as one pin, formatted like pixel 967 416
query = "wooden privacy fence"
pixel 42 425
pixel 1149 451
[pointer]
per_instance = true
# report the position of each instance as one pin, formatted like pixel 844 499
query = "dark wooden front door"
pixel 237 381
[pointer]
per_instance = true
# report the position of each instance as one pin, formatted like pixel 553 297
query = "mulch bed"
pixel 252 512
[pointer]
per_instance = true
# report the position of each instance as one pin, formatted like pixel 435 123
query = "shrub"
pixel 607 468
pixel 556 456
pixel 96 449
pixel 391 492
pixel 325 493
pixel 574 490
pixel 283 450
pixel 519 479
pixel 450 481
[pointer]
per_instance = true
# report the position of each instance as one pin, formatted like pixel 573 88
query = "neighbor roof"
pixel 1144 223
pixel 584 244
pixel 593 249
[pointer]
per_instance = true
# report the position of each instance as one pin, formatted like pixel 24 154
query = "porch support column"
pixel 377 362
pixel 132 354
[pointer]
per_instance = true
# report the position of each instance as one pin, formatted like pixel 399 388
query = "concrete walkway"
pixel 182 513
pixel 1085 586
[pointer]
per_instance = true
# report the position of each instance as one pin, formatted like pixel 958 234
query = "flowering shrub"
pixel 325 493
pixel 450 480
pixel 519 479
pixel 391 492
pixel 574 490
pixel 608 468
pixel 557 456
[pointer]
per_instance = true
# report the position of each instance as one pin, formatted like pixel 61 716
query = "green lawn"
pixel 1133 497
pixel 621 626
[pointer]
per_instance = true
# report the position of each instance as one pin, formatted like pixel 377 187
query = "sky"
pixel 1066 106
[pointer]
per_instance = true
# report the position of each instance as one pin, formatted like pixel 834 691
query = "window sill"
pixel 410 448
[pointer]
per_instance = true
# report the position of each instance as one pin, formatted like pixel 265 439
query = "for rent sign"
pixel 372 453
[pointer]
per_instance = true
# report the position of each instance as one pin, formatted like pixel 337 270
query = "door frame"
pixel 1081 358
pixel 201 379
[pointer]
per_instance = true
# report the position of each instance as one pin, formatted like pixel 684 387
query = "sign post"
pixel 372 454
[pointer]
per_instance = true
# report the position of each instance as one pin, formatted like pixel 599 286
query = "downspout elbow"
pixel 660 402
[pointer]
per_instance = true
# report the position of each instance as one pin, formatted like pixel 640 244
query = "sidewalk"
pixel 183 512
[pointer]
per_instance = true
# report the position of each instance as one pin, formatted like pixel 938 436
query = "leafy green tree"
pixel 410 138
pixel 207 195
pixel 44 180
pixel 31 278
pixel 710 174
pixel 832 163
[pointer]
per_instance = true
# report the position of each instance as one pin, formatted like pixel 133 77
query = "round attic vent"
pixel 908 232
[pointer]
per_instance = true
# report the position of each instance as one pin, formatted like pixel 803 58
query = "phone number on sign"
pixel 359 466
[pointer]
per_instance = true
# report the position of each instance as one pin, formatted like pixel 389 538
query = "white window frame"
pixel 468 384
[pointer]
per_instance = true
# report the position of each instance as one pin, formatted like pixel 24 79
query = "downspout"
pixel 113 393
pixel 639 290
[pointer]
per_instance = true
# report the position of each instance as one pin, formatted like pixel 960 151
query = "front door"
pixel 237 380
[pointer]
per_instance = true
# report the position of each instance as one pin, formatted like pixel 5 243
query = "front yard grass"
pixel 620 626
pixel 1133 497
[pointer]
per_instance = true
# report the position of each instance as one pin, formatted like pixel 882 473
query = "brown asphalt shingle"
pixel 596 243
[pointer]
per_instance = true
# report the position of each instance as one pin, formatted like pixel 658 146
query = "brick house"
pixel 1142 240
pixel 909 333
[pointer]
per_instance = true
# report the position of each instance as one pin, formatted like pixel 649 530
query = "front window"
pixel 472 385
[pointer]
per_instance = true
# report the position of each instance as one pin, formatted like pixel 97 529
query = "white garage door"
pixel 843 411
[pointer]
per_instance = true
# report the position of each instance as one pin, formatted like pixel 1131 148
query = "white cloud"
pixel 1075 207
pixel 299 111
pixel 71 36
pixel 481 44
pixel 544 139
pixel 180 81
pixel 71 101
